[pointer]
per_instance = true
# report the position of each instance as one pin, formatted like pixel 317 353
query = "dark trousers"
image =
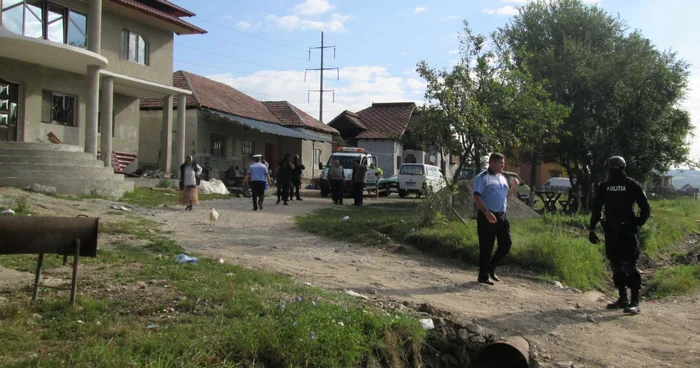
pixel 488 233
pixel 622 250
pixel 258 189
pixel 337 191
pixel 357 191
pixel 283 190
pixel 296 186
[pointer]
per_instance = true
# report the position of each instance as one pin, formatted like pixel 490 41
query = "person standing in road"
pixel 336 175
pixel 491 195
pixel 284 178
pixel 296 177
pixel 189 179
pixel 358 181
pixel 257 176
pixel 621 226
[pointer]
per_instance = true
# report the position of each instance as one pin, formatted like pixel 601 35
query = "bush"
pixel 677 280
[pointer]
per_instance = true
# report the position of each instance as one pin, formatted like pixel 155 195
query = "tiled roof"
pixel 160 14
pixel 385 120
pixel 292 116
pixel 178 10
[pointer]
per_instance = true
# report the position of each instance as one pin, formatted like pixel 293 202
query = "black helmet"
pixel 616 162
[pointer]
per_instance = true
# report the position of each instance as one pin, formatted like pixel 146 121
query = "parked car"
pixel 558 183
pixel 413 177
pixel 388 185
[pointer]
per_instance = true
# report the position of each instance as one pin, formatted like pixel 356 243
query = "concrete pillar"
pixel 107 107
pixel 166 139
pixel 180 133
pixel 93 100
pixel 94 31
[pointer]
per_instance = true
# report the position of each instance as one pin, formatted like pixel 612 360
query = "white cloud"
pixel 450 18
pixel 293 22
pixel 358 87
pixel 454 52
pixel 419 9
pixel 506 10
pixel 313 7
pixel 243 25
pixel 228 16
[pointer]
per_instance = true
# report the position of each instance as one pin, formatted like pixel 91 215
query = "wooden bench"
pixel 76 236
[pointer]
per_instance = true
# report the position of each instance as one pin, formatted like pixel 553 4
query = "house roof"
pixel 381 120
pixel 210 94
pixel 269 128
pixel 163 10
pixel 292 116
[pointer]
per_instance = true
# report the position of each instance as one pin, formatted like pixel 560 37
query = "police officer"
pixel 621 226
pixel 491 197
pixel 257 175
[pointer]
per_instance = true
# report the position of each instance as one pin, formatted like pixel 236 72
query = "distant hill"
pixel 683 177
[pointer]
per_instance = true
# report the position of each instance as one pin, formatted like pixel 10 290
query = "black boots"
pixel 622 302
pixel 633 308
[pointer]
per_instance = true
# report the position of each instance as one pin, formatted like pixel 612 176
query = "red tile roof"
pixel 381 120
pixel 160 14
pixel 175 10
pixel 292 116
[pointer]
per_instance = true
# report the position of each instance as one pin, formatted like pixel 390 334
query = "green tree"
pixel 622 93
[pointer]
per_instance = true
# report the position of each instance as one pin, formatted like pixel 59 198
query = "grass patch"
pixel 138 307
pixel 20 206
pixel 673 281
pixel 553 246
pixel 148 197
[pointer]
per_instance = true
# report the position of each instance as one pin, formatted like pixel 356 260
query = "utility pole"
pixel 321 90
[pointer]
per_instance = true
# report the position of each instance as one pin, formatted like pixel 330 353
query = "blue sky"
pixel 261 47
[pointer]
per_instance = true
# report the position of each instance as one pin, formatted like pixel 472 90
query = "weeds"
pixel 208 314
pixel 148 197
pixel 672 281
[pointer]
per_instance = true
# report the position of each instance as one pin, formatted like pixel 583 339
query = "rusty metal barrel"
pixel 514 352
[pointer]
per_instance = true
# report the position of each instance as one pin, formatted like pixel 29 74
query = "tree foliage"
pixel 623 93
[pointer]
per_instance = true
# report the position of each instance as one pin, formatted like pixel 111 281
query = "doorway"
pixel 9 110
pixel 271 155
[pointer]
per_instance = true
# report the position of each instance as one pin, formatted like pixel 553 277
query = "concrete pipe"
pixel 514 352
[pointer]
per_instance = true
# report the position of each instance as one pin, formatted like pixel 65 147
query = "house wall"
pixel 544 171
pixel 386 152
pixel 150 128
pixel 307 153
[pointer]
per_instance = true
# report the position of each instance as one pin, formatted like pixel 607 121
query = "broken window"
pixel 216 145
pixel 247 148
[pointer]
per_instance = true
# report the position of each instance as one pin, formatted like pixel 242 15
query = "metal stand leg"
pixel 37 277
pixel 74 285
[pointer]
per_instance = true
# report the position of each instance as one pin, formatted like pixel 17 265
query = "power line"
pixel 254 48
pixel 321 90
pixel 250 35
pixel 227 57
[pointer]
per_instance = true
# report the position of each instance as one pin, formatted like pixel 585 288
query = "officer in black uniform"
pixel 621 226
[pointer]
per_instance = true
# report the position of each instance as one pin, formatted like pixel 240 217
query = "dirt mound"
pixel 463 203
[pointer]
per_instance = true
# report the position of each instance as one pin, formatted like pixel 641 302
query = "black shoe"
pixel 618 304
pixel 485 280
pixel 632 309
pixel 285 203
pixel 492 275
pixel 261 207
pixel 299 199
pixel 255 209
pixel 278 201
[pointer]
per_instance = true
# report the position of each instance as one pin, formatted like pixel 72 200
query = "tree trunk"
pixel 534 157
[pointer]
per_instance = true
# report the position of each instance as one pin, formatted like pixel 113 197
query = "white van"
pixel 412 177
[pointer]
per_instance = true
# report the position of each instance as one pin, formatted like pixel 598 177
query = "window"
pixel 58 108
pixel 216 145
pixel 398 161
pixel 411 170
pixel 134 47
pixel 247 148
pixel 99 122
pixel 42 19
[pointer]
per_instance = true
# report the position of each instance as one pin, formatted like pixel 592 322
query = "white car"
pixel 412 177
pixel 559 183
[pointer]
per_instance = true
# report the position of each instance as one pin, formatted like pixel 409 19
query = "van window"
pixel 411 170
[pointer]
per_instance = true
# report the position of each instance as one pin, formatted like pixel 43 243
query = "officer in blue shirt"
pixel 257 176
pixel 491 197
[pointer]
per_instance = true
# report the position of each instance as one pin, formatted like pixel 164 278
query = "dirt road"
pixel 567 325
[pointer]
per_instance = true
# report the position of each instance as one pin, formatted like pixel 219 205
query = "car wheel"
pixel 402 193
